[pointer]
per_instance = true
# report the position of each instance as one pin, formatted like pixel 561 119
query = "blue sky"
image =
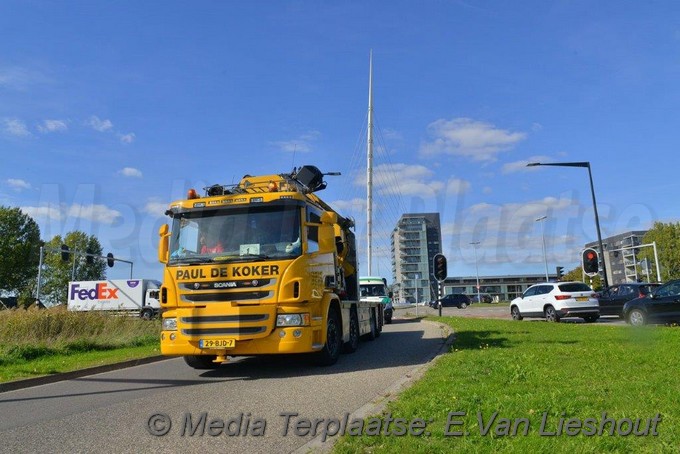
pixel 110 110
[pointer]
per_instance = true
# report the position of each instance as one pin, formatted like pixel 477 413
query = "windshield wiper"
pixel 256 256
pixel 239 257
pixel 192 260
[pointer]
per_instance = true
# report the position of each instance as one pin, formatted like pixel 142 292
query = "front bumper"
pixel 252 328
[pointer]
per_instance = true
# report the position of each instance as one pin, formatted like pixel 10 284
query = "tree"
pixel 667 238
pixel 57 273
pixel 19 249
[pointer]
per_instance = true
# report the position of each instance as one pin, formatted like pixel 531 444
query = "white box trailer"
pixel 135 296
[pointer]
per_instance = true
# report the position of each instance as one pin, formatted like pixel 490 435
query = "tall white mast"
pixel 369 168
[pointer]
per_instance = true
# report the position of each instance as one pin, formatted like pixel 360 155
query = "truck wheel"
pixel 146 314
pixel 371 335
pixel 353 344
pixel 201 362
pixel 331 350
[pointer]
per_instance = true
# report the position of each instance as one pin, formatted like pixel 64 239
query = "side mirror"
pixel 163 243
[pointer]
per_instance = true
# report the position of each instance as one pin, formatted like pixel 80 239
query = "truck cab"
pixel 375 290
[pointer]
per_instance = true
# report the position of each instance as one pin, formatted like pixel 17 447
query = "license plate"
pixel 217 343
pixel 581 298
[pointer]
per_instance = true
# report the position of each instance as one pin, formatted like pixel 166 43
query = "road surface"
pixel 240 407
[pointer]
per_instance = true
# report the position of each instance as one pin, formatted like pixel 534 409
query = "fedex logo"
pixel 100 292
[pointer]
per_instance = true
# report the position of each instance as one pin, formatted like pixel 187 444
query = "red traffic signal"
pixel 591 265
pixel 439 266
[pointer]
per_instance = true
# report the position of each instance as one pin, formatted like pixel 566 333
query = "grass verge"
pixel 525 372
pixel 41 342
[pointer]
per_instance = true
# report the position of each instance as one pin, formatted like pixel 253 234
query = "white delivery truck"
pixel 132 296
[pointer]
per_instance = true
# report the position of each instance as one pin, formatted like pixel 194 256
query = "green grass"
pixel 40 342
pixel 526 369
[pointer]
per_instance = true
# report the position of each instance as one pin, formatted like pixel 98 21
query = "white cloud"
pixel 48 126
pixel 514 217
pixel 355 205
pixel 99 125
pixel 131 172
pixel 409 180
pixel 155 207
pixel 127 138
pixel 521 166
pixel 303 144
pixel 95 213
pixel 18 78
pixel 472 139
pixel 18 184
pixel 15 127
pixel 49 212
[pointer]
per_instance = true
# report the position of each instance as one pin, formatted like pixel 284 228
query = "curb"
pixel 378 404
pixel 47 379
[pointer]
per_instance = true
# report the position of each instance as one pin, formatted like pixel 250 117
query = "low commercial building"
pixel 505 288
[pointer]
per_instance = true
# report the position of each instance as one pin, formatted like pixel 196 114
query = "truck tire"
pixel 379 323
pixel 146 314
pixel 371 335
pixel 201 362
pixel 331 349
pixel 353 344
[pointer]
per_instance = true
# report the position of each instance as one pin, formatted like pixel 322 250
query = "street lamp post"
pixel 545 257
pixel 417 276
pixel 585 164
pixel 475 244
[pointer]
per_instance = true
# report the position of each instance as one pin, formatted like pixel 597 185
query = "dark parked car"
pixel 613 299
pixel 453 300
pixel 660 306
pixel 484 297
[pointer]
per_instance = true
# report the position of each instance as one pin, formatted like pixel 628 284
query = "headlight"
pixel 170 324
pixel 292 319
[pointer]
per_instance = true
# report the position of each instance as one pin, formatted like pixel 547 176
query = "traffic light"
pixel 65 254
pixel 89 258
pixel 559 271
pixel 109 259
pixel 439 265
pixel 591 264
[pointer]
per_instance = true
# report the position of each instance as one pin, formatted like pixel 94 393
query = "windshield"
pixel 373 290
pixel 236 234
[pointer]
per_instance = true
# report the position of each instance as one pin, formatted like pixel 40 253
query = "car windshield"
pixel 236 234
pixel 574 287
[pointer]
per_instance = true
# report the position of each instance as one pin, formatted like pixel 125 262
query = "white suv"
pixel 554 300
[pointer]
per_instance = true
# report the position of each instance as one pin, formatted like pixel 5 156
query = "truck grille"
pixel 246 330
pixel 224 296
pixel 240 322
